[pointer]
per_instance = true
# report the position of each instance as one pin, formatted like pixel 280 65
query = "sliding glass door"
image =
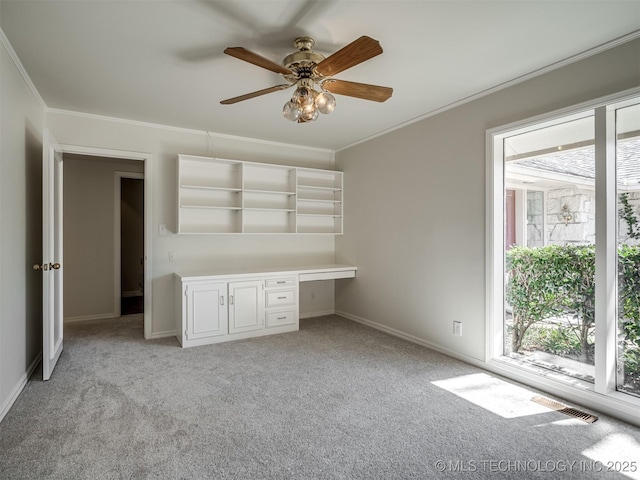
pixel 564 247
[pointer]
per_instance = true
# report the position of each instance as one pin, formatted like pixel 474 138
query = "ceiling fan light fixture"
pixel 309 113
pixel 308 70
pixel 291 111
pixel 304 96
pixel 325 102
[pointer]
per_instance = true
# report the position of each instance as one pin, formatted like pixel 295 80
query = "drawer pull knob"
pixel 282 318
pixel 281 282
pixel 281 298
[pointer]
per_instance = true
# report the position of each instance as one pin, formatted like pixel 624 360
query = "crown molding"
pixel 14 56
pixel 225 136
pixel 523 78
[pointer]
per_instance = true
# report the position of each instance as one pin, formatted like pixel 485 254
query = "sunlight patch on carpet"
pixel 492 394
pixel 617 453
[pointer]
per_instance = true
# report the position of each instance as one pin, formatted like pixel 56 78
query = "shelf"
pixel 268 192
pixel 313 187
pixel 269 221
pixel 317 200
pixel 232 196
pixel 210 220
pixel 208 187
pixel 210 207
pixel 262 209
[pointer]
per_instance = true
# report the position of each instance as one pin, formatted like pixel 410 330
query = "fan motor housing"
pixel 305 58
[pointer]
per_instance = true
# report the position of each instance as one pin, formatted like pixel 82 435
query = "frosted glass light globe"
pixel 303 96
pixel 291 111
pixel 325 102
pixel 309 113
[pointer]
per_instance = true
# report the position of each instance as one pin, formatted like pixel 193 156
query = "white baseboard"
pixel 168 333
pixel 17 390
pixel 317 314
pixel 83 318
pixel 413 339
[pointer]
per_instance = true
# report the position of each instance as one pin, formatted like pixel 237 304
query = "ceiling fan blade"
pixel 247 96
pixel 356 52
pixel 254 58
pixel 358 90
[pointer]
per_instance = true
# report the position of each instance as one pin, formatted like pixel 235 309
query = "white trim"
pixel 147 158
pixel 165 334
pixel 320 313
pixel 25 76
pixel 569 113
pixel 606 294
pixel 117 230
pixel 17 390
pixel 187 130
pixel 523 78
pixel 84 318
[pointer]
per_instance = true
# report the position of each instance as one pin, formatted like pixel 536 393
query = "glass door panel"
pixel 628 232
pixel 549 316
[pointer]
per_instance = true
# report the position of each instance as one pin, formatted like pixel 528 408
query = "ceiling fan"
pixel 305 69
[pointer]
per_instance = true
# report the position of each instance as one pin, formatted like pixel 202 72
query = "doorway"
pixel 129 236
pixel 101 260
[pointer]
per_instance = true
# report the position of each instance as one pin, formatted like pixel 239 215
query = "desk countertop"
pixel 209 273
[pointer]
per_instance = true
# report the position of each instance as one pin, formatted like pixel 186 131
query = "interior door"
pixel 51 267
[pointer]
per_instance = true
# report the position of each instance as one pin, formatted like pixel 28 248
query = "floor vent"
pixel 562 408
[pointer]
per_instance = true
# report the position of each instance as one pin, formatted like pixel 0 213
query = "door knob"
pixel 54 266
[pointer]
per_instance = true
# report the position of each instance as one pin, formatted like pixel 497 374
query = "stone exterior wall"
pixel 581 228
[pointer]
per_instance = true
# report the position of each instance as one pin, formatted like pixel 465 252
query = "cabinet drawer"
pixel 278 319
pixel 282 297
pixel 280 282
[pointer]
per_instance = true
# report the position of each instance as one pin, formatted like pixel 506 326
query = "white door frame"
pixel 148 228
pixel 117 228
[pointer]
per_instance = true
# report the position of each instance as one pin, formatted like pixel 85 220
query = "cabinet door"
pixel 206 310
pixel 246 306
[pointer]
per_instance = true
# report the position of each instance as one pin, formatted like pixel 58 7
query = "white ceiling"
pixel 162 61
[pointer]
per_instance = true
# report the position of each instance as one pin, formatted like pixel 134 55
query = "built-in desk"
pixel 215 306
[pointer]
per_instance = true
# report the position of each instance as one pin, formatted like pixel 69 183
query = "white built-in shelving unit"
pixel 232 196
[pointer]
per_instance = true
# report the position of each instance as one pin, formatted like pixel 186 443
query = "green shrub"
pixel 559 280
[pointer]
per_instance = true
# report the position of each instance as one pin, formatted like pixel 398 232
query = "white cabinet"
pixel 246 310
pixel 206 310
pixel 213 310
pixel 232 196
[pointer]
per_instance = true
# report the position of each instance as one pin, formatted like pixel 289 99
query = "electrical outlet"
pixel 172 256
pixel 313 295
pixel 457 329
pixel 162 229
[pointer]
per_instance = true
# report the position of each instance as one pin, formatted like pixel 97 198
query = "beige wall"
pixel 415 205
pixel 89 242
pixel 21 126
pixel 198 252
